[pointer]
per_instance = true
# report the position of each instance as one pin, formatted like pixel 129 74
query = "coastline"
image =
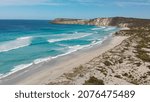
pixel 46 72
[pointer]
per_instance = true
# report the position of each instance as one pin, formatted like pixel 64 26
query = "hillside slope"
pixel 114 21
pixel 127 63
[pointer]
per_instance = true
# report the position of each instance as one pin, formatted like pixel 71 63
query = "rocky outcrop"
pixel 114 21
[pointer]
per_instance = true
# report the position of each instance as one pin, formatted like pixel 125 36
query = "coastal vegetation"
pixel 127 63
pixel 94 81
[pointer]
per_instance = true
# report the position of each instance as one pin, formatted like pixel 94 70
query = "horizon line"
pixel 68 18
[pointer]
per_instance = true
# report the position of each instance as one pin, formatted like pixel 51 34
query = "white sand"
pixel 45 72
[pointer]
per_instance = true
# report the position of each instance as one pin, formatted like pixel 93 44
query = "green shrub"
pixel 143 56
pixel 107 63
pixel 118 76
pixel 94 81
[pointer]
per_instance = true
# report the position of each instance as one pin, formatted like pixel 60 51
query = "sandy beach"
pixel 46 72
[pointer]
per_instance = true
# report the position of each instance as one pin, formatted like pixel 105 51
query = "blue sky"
pixel 50 9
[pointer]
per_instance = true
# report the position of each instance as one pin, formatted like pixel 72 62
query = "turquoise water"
pixel 27 42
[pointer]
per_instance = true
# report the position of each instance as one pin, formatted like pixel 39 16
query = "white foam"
pixel 23 66
pixel 76 35
pixel 103 27
pixel 71 50
pixel 40 60
pixel 20 67
pixel 98 28
pixel 15 69
pixel 15 44
pixel 93 42
pixel 79 47
pixel 75 48
pixel 109 28
pixel 37 61
pixel 1 75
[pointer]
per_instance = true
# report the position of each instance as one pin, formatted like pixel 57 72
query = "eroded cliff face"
pixel 114 21
pixel 100 21
pixel 97 21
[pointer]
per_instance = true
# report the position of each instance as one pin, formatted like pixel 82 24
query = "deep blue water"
pixel 27 42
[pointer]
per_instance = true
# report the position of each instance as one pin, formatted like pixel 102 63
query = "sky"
pixel 85 9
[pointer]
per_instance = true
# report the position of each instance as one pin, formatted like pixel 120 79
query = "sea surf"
pixel 24 43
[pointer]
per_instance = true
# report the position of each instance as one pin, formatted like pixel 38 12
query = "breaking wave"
pixel 15 44
pixel 76 35
pixel 109 28
pixel 99 28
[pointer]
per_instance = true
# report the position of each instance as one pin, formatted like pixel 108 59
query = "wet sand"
pixel 44 72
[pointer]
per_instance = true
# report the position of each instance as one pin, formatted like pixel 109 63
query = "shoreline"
pixel 43 73
pixel 49 58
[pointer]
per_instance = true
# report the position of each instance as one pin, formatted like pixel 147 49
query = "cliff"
pixel 113 21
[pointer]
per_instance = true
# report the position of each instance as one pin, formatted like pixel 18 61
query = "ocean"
pixel 24 43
